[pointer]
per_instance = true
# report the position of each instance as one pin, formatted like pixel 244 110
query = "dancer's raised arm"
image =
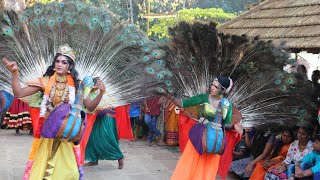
pixel 18 91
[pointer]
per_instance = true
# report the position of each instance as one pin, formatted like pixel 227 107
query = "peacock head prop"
pixel 87 84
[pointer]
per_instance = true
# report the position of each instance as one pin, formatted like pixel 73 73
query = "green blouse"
pixel 206 110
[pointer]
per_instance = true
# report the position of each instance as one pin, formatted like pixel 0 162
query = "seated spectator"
pixel 278 154
pixel 310 164
pixel 297 150
pixel 240 150
pixel 260 146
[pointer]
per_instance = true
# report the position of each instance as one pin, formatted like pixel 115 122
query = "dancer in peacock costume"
pixel 130 66
pixel 103 143
pixel 56 154
pixel 265 94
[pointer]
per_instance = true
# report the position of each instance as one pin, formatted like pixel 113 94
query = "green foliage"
pixel 160 28
pixel 169 5
pixel 227 5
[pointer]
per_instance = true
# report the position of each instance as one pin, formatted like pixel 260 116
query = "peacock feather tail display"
pixel 131 66
pixel 263 92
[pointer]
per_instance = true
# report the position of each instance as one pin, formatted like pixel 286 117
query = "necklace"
pixel 59 93
pixel 61 79
pixel 56 92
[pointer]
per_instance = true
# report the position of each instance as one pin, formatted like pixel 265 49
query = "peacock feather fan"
pixel 263 92
pixel 131 66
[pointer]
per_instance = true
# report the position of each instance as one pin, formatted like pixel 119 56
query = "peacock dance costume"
pixel 54 152
pixel 134 68
pixel 131 66
pixel 265 94
pixel 207 137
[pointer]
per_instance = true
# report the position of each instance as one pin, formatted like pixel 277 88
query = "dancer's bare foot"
pixel 91 164
pixel 121 163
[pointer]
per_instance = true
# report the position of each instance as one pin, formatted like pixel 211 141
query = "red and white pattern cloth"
pixel 17 115
pixel 294 155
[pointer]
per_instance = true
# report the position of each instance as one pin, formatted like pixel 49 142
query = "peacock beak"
pixel 86 91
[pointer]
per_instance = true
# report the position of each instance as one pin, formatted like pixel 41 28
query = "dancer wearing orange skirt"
pixel 207 139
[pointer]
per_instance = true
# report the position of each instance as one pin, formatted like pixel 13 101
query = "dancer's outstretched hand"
pixel 12 66
pixel 100 85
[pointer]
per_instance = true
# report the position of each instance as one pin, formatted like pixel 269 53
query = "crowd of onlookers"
pixel 263 155
pixel 294 153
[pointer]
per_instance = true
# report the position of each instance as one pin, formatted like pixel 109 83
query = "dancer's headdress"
pixel 66 50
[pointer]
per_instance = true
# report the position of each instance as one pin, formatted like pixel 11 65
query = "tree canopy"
pixel 159 29
pixel 187 10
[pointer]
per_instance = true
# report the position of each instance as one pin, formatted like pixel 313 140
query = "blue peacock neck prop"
pixel 67 122
pixel 5 100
